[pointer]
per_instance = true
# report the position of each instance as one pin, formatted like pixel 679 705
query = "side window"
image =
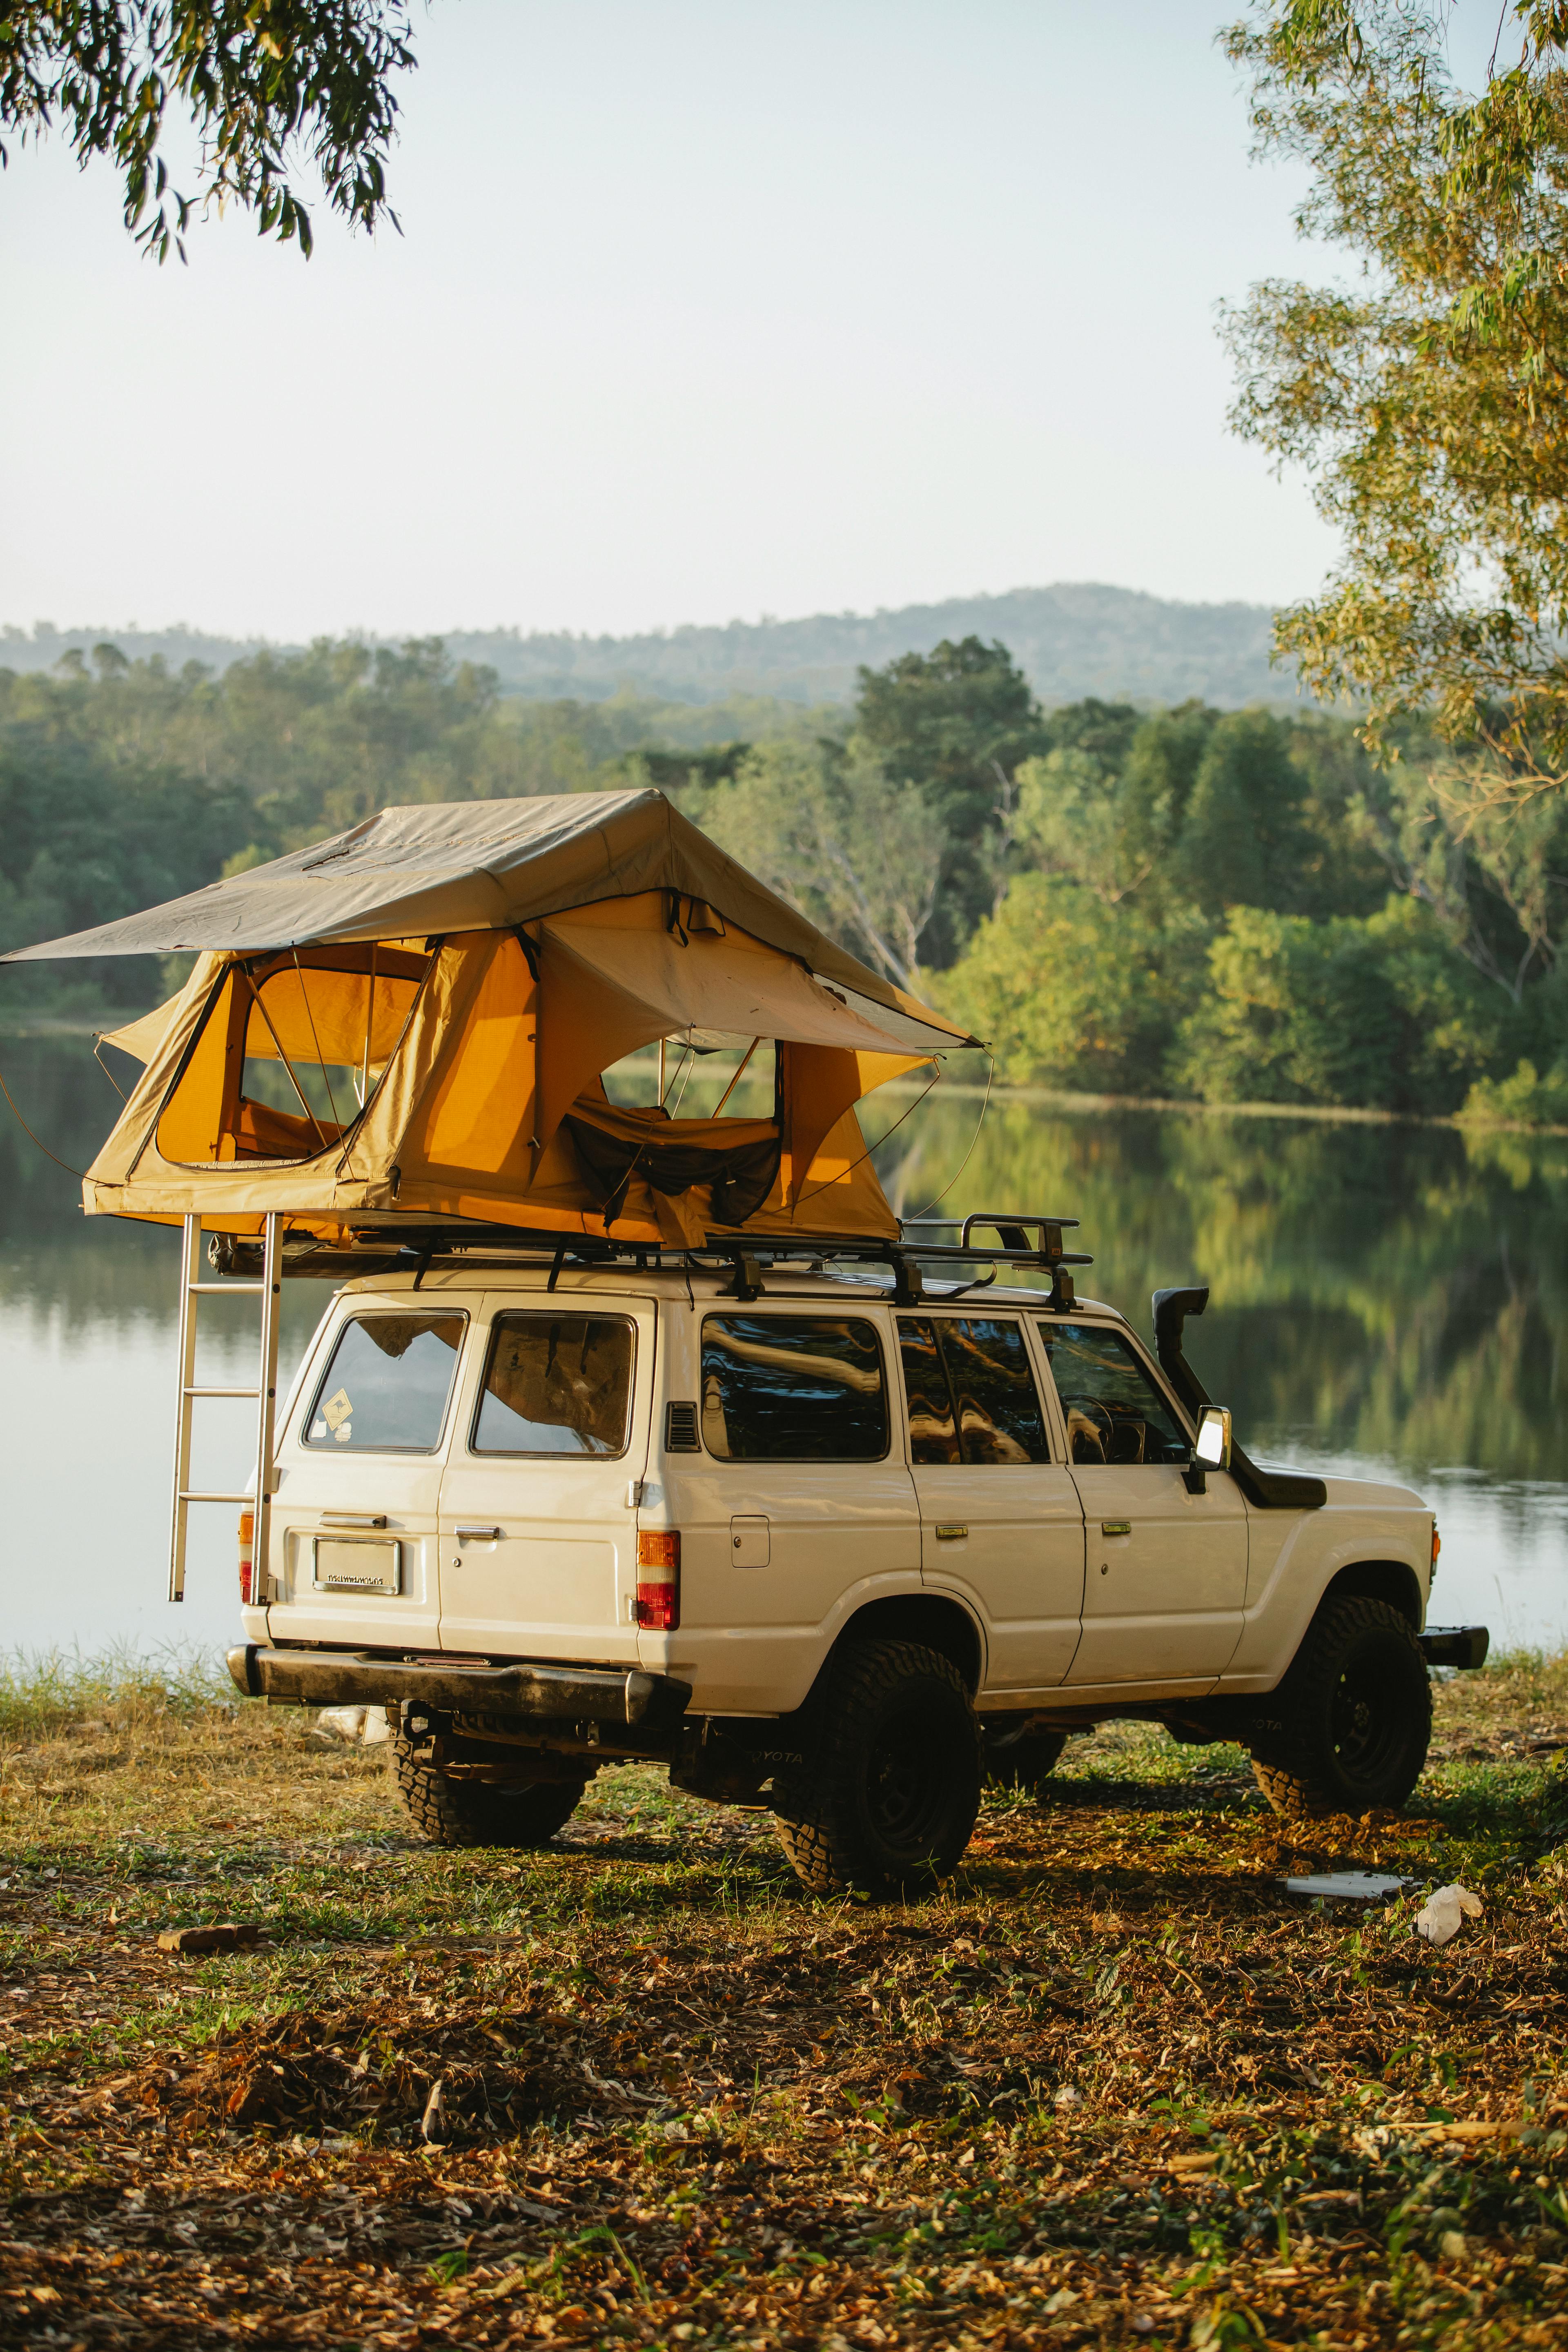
pixel 1114 1411
pixel 970 1392
pixel 933 1428
pixel 386 1387
pixel 792 1387
pixel 556 1384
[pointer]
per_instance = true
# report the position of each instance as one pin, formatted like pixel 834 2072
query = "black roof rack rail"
pixel 399 1245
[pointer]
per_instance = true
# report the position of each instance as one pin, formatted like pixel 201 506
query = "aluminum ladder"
pixel 193 1291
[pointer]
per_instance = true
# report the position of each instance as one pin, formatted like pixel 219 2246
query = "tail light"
pixel 658 1580
pixel 246 1558
pixel 1436 1546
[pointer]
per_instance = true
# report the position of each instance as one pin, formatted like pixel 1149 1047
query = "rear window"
pixel 792 1387
pixel 556 1384
pixel 385 1388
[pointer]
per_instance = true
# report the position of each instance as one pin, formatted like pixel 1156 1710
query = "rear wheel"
pixel 886 1801
pixel 1348 1728
pixel 477 1812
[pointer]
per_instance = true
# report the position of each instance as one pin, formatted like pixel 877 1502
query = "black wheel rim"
pixel 1365 1724
pixel 906 1778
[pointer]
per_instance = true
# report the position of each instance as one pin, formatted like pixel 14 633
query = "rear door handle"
pixel 353 1518
pixel 476 1535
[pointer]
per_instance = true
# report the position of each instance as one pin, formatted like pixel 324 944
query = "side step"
pixel 1465 1647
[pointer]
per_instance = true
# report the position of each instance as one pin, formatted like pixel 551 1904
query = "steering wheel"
pixel 1090 1429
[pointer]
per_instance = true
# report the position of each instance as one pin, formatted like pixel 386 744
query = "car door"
pixel 538 1508
pixel 1166 1569
pixel 800 1506
pixel 1001 1523
pixel 354 1521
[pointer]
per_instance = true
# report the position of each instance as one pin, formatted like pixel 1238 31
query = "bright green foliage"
pixel 257 78
pixel 1428 397
pixel 1377 1013
pixel 1076 992
pixel 1528 1098
pixel 1271 844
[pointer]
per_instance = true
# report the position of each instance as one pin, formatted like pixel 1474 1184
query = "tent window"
pixel 289 1054
pixel 708 1074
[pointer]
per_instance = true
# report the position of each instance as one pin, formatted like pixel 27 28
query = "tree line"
pixel 1221 905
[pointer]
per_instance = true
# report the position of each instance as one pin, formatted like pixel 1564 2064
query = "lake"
pixel 1387 1301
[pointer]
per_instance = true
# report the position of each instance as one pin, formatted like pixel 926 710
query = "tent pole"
pixel 661 1069
pixel 739 1075
pixel 288 1065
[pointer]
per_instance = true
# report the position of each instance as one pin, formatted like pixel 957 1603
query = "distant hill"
pixel 1073 639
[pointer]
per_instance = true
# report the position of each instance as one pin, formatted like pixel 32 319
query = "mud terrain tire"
pixel 1348 1728
pixel 885 1803
pixel 475 1812
pixel 1023 1764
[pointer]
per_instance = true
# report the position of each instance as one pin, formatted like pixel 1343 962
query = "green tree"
pixel 1242 839
pixel 1073 991
pixel 828 829
pixel 266 84
pixel 1376 1014
pixel 956 723
pixel 1429 399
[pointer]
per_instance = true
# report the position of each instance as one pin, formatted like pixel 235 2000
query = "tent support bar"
pixel 740 1074
pixel 259 1495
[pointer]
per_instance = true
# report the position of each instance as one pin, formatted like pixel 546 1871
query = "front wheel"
pixel 886 1801
pixel 476 1812
pixel 1347 1729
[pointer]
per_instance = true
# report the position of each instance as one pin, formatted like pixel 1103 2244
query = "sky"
pixel 701 309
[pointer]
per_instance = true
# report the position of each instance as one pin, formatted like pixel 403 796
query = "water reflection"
pixel 1386 1301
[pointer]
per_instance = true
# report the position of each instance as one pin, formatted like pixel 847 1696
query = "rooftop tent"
pixel 413 1021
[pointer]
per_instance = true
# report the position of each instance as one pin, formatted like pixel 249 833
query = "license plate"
pixel 344 1564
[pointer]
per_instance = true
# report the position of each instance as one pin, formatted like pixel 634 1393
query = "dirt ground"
pixel 1115 2085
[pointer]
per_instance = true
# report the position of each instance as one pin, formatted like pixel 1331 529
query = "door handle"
pixel 353 1518
pixel 950 1532
pixel 476 1535
pixel 1116 1527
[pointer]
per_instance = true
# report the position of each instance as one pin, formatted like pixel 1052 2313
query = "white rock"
pixel 1440 1916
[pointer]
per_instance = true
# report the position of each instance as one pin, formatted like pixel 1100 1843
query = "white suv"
pixel 837 1549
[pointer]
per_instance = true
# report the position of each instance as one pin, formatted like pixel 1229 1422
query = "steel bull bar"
pixel 531 1692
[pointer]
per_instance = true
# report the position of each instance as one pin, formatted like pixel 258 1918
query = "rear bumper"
pixel 1455 1646
pixel 531 1692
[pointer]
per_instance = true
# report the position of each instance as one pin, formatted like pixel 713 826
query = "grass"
pixel 1112 2085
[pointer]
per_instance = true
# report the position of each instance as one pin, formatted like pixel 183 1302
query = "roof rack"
pixel 398 1245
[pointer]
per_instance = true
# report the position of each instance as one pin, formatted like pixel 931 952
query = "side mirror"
pixel 1213 1445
